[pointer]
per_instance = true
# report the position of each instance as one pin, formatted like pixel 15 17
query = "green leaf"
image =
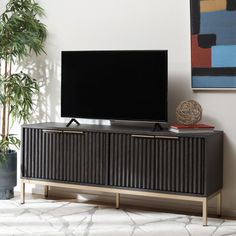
pixel 21 32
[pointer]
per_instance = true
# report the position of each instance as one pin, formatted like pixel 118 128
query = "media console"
pixel 124 160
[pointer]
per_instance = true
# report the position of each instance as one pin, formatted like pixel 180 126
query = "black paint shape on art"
pixel 206 40
pixel 219 71
pixel 231 5
pixel 195 16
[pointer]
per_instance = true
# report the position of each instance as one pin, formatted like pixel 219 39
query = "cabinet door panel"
pixel 65 156
pixel 131 161
pixel 166 162
pixel 142 161
pixel 31 156
pixel 73 157
pixel 86 157
pixel 42 154
pixel 120 169
pixel 162 164
pixel 180 165
pixel 52 160
pixel 191 166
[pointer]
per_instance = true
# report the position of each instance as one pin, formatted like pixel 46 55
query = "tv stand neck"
pixel 157 127
pixel 71 121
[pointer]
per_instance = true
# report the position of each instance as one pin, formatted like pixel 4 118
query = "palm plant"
pixel 21 33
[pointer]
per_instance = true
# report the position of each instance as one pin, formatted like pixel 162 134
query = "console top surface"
pixel 129 129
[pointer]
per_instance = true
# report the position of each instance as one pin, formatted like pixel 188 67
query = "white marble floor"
pixel 51 217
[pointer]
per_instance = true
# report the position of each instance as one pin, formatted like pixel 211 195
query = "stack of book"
pixel 196 128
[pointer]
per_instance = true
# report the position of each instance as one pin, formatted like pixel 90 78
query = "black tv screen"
pixel 115 85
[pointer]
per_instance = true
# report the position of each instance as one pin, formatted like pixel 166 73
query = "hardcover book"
pixel 195 128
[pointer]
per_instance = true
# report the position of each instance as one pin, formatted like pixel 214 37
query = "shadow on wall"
pixel 179 89
pixel 47 73
pixel 209 111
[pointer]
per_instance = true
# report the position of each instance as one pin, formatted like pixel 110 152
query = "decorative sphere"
pixel 188 112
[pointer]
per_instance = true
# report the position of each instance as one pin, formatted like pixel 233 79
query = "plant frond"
pixel 21 32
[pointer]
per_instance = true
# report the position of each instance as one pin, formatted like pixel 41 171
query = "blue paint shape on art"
pixel 224 56
pixel 214 82
pixel 221 23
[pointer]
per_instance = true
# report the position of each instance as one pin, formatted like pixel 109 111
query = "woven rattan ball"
pixel 188 112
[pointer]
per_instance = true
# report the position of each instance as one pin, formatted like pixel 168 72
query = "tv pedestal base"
pixel 157 127
pixel 71 121
pixel 118 192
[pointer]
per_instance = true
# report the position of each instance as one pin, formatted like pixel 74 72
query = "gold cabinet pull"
pixel 154 136
pixel 52 131
pixel 72 132
pixel 167 137
pixel 142 136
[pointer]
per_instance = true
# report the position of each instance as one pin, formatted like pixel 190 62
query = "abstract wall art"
pixel 213 44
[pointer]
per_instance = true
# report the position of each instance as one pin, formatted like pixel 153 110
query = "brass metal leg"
pixel 117 200
pixel 46 191
pixel 219 203
pixel 204 211
pixel 22 192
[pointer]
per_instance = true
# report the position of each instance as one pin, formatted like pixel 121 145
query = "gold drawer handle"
pixel 152 136
pixel 73 132
pixel 142 136
pixel 167 137
pixel 52 131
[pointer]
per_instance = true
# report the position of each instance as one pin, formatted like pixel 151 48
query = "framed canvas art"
pixel 213 44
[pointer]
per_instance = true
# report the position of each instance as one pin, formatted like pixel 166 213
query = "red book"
pixel 196 128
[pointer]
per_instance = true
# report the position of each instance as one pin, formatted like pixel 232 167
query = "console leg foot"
pixel 219 203
pixel 117 200
pixel 22 192
pixel 204 211
pixel 46 191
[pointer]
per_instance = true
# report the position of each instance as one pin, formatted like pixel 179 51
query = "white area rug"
pixel 49 217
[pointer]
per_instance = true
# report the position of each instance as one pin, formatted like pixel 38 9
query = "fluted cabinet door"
pixel 52 155
pixel 165 164
pixel 80 157
pixel 120 160
pixel 42 154
pixel 157 163
pixel 73 156
pixel 179 165
pixel 142 156
pixel 131 161
pixel 32 163
pixel 154 162
pixel 87 154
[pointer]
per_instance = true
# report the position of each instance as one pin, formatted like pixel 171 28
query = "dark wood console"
pixel 124 160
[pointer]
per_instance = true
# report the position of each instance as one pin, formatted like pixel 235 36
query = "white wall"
pixel 117 24
pixel 134 24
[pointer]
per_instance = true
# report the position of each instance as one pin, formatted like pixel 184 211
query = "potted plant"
pixel 21 33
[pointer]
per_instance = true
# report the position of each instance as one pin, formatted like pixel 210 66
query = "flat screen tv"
pixel 115 85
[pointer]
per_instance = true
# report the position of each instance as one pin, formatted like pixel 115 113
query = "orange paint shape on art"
pixel 213 5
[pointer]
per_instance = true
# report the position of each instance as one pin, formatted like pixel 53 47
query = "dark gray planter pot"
pixel 8 173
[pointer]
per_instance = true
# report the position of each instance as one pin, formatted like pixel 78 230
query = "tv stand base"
pixel 118 192
pixel 157 127
pixel 71 121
